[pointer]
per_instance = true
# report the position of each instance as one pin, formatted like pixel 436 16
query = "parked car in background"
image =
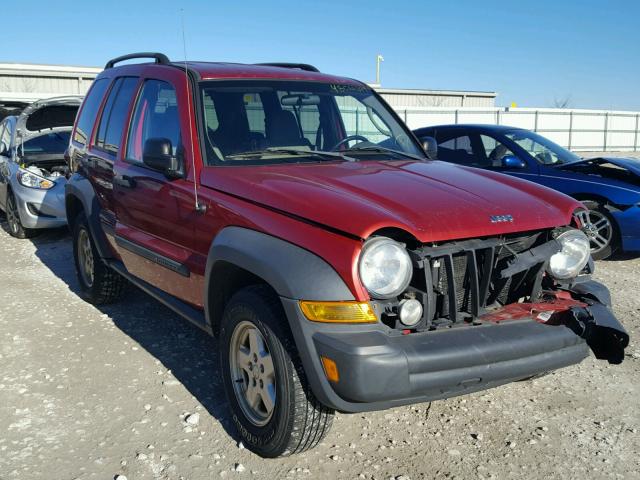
pixel 339 270
pixel 33 169
pixel 608 186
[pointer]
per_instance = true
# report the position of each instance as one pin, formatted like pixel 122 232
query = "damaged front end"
pixel 506 279
pixel 476 314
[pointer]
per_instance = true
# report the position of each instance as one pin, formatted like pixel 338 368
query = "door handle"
pixel 124 181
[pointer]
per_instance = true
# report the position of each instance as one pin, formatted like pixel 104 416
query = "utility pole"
pixel 379 59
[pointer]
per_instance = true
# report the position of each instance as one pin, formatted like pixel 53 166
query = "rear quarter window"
pixel 89 110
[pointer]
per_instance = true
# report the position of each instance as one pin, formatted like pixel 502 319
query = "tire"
pixel 16 229
pixel 99 284
pixel 297 421
pixel 601 229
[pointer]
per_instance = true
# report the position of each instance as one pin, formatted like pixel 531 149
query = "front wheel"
pixel 271 404
pixel 600 228
pixel 16 229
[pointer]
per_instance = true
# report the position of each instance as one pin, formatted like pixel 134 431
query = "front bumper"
pixel 379 369
pixel 41 208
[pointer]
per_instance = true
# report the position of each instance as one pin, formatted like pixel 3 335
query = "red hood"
pixel 434 201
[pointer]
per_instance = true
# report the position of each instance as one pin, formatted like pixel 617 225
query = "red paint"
pixel 517 311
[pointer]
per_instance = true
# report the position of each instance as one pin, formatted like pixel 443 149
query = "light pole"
pixel 379 59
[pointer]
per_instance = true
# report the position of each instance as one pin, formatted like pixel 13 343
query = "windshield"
pixel 543 149
pixel 49 143
pixel 267 121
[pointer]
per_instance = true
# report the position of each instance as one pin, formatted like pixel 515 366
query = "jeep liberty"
pixel 294 216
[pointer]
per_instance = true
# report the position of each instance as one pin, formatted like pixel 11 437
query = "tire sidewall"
pixel 13 206
pixel 87 291
pixel 271 439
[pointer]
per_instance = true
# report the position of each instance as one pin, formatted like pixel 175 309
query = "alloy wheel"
pixel 85 257
pixel 598 228
pixel 252 373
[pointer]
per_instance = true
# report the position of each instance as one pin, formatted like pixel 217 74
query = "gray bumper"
pixel 47 206
pixel 379 369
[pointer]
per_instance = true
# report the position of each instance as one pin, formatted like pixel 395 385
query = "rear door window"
pixel 89 110
pixel 114 114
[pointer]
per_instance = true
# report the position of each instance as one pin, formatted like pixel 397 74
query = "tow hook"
pixel 606 337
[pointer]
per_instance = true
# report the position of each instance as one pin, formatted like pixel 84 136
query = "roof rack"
pixel 160 58
pixel 300 66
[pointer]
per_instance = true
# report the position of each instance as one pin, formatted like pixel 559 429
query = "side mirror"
pixel 430 146
pixel 158 154
pixel 511 161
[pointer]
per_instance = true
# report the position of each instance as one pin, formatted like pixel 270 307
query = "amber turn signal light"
pixel 338 312
pixel 330 369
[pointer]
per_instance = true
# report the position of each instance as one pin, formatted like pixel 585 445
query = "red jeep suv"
pixel 294 216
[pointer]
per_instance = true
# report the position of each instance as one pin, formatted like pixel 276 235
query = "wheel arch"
pixel 240 257
pixel 80 197
pixel 73 207
pixel 581 197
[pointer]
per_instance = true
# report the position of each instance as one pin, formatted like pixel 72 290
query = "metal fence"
pixel 580 130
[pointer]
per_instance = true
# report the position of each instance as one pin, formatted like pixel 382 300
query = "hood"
pixel 433 201
pixel 615 168
pixel 50 114
pixel 631 164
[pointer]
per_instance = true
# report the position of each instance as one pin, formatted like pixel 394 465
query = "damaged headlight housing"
pixel 32 180
pixel 573 257
pixel 385 267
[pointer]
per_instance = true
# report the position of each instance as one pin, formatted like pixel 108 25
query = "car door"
pixel 155 212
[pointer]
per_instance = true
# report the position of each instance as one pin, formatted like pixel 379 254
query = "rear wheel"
pixel 99 284
pixel 16 229
pixel 272 405
pixel 600 228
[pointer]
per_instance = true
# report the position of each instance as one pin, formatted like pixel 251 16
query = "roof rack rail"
pixel 160 58
pixel 300 66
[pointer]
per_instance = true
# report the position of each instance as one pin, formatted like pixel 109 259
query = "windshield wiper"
pixel 293 151
pixel 378 149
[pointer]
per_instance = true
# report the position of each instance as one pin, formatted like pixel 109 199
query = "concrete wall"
pixel 577 129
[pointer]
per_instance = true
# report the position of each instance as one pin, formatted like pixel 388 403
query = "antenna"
pixel 199 207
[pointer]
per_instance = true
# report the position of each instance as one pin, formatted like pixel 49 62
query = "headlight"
pixel 31 180
pixel 573 257
pixel 385 267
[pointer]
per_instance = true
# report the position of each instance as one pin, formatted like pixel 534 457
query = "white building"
pixel 21 82
pixel 29 82
pixel 401 99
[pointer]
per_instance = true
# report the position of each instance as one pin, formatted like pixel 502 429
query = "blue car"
pixel 608 187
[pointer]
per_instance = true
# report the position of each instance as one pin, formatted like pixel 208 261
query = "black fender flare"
pixel 82 190
pixel 290 270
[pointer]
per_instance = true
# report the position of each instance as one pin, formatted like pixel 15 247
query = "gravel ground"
pixel 105 393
